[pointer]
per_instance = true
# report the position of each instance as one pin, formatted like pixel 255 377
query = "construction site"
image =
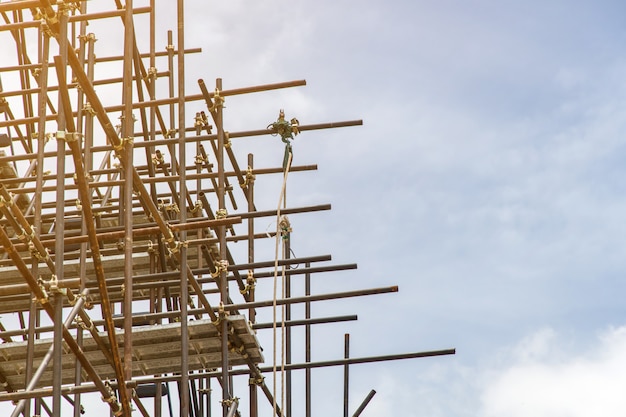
pixel 137 272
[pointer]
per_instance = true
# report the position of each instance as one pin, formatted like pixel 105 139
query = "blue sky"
pixel 487 182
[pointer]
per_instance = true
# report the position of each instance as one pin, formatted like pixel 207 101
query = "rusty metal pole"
pixel 173 99
pixel 30 348
pixel 33 319
pixel 286 329
pixel 59 246
pixel 251 280
pixel 88 217
pixel 152 76
pixel 85 125
pixel 184 288
pixel 82 50
pixel 21 405
pixel 57 366
pixel 232 411
pixel 127 149
pixel 320 297
pixel 307 343
pixel 208 397
pixel 346 374
pixel 168 133
pixel 158 399
pixel 366 401
pixel 142 318
pixel 222 245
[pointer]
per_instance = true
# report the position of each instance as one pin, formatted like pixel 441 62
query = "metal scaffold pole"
pixel 121 235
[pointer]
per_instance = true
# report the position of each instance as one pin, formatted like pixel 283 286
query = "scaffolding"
pixel 129 228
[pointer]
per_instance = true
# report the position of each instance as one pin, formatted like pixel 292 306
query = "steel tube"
pixel 65 390
pixel 127 130
pixel 182 152
pixel 267 303
pixel 136 232
pixel 146 55
pixel 356 361
pixel 302 128
pixel 221 234
pixel 156 303
pixel 84 124
pixel 49 354
pixel 287 329
pixel 205 175
pixel 307 343
pixel 272 213
pixel 81 180
pixel 321 297
pixel 364 404
pixel 19 289
pixel 57 350
pixel 161 315
pixel 232 409
pixel 307 322
pixel 346 374
pixel 9 6
pixel 251 281
pixel 229 151
pixel 281 262
pixel 298 366
pixel 17 26
pixel 112 136
pixel 60 216
pixel 34 313
pixel 291 272
pixel 113 13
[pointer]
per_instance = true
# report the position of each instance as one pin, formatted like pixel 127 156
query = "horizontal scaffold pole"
pixel 14 396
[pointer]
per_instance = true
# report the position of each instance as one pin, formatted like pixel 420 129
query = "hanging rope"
pixel 286 130
pixel 279 224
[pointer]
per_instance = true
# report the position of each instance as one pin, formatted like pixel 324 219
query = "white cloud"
pixel 544 379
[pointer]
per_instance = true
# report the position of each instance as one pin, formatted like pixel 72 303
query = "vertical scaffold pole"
pixel 127 148
pixel 250 282
pixel 222 243
pixel 346 374
pixel 184 288
pixel 59 247
pixel 307 342
pixel 287 329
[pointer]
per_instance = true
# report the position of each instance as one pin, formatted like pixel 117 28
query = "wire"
pixel 278 239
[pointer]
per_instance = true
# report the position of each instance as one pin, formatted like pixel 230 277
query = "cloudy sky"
pixel 487 182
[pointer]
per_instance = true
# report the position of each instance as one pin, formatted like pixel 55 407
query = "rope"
pixel 278 239
pixel 285 235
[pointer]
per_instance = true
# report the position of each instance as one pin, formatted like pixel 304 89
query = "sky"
pixel 486 181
